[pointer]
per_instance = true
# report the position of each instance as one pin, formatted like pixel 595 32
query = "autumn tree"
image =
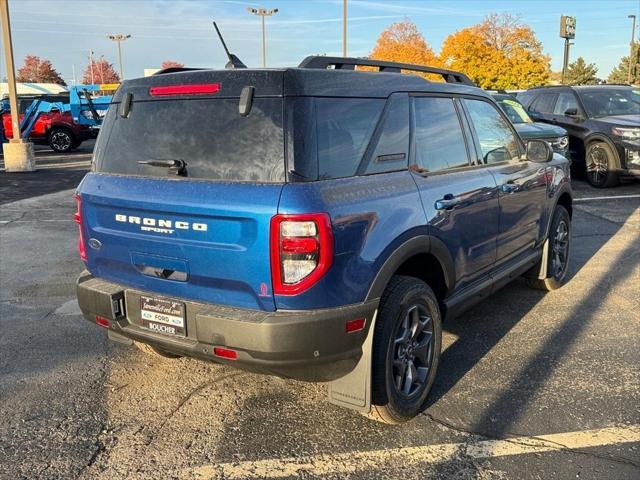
pixel 619 74
pixel 171 64
pixel 402 42
pixel 102 72
pixel 499 53
pixel 581 73
pixel 38 70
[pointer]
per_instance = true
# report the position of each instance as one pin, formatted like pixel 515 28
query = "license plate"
pixel 162 316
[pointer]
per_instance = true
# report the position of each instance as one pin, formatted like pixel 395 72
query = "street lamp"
pixel 344 28
pixel 263 12
pixel 633 36
pixel 120 37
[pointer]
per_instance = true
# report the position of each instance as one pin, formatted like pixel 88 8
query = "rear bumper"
pixel 310 345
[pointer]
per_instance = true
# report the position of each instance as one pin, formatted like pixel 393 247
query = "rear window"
pixel 208 135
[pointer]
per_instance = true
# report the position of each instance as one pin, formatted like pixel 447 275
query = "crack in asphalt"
pixel 509 438
pixel 9 222
pixel 188 397
pixel 99 446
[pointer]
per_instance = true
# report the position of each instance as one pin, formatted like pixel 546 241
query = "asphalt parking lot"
pixel 530 385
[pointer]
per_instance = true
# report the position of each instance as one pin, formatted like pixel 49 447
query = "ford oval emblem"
pixel 95 243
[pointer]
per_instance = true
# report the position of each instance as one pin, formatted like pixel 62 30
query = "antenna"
pixel 234 62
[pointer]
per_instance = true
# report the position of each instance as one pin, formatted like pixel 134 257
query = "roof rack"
pixel 346 63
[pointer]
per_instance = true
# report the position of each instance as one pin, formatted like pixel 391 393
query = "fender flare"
pixel 414 246
pixel 600 137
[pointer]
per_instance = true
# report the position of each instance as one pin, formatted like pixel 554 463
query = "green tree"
pixel 581 73
pixel 620 72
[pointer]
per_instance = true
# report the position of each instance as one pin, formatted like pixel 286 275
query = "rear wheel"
pixel 155 351
pixel 406 350
pixel 600 165
pixel 61 140
pixel 558 253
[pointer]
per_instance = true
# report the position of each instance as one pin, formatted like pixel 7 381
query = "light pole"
pixel 263 12
pixel 91 65
pixel 18 154
pixel 633 36
pixel 344 28
pixel 120 37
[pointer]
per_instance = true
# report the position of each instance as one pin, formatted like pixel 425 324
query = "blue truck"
pixel 316 223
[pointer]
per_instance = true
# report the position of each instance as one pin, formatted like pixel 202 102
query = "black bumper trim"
pixel 309 345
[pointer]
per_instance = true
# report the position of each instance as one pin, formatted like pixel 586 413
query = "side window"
pixel 497 140
pixel 565 102
pixel 392 145
pixel 439 142
pixel 344 127
pixel 544 103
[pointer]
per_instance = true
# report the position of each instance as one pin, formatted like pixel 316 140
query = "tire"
pixel 155 351
pixel 559 253
pixel 406 303
pixel 600 164
pixel 61 140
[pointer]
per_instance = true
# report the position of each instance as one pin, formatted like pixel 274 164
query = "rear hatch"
pixel 184 187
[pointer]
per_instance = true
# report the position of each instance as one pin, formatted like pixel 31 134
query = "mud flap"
pixel 544 261
pixel 353 391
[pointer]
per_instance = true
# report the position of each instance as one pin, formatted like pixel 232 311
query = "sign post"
pixel 568 32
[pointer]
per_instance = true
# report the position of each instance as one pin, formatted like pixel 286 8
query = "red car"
pixel 56 129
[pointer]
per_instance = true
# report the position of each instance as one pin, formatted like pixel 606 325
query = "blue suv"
pixel 316 223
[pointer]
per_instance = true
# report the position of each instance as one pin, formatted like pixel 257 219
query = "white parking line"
pixel 611 197
pixel 60 157
pixel 66 164
pixel 347 463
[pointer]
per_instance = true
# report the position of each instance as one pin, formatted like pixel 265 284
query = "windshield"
pixel 611 101
pixel 514 110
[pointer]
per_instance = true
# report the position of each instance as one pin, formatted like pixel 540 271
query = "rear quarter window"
pixel 344 127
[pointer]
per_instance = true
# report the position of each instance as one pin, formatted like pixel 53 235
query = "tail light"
pixel 77 217
pixel 301 251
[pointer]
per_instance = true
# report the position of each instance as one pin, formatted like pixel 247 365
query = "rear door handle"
pixel 509 187
pixel 447 202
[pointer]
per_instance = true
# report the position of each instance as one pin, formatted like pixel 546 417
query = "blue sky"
pixel 64 30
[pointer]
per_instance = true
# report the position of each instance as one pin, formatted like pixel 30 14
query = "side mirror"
pixel 539 151
pixel 571 112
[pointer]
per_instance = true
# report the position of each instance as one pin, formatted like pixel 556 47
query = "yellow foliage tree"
pixel 402 42
pixel 499 53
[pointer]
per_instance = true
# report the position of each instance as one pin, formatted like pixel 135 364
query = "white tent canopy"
pixel 32 89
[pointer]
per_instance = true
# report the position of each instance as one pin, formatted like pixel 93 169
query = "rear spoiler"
pixel 176 69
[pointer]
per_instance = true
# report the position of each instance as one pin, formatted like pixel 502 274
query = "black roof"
pixel 581 87
pixel 316 76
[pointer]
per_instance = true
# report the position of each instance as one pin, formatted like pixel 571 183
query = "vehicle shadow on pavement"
pixel 505 412
pixel 479 330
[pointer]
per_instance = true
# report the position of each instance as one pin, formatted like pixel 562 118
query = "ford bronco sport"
pixel 316 223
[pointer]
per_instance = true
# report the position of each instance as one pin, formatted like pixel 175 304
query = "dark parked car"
pixel 603 122
pixel 528 129
pixel 315 223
